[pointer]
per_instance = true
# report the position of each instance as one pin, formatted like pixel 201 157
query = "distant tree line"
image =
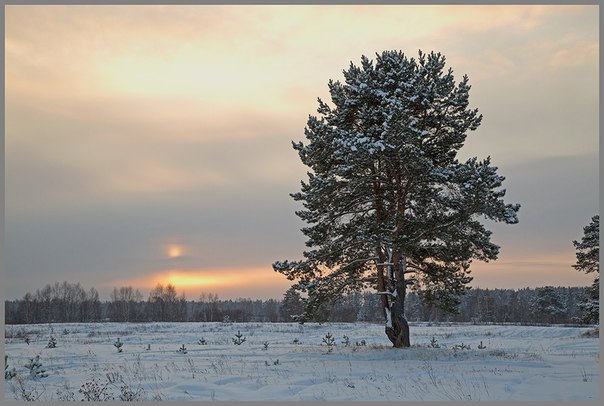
pixel 66 302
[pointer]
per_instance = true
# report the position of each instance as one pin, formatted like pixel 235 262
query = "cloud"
pixel 129 127
pixel 577 53
pixel 558 197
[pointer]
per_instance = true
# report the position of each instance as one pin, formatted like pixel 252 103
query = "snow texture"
pixel 519 363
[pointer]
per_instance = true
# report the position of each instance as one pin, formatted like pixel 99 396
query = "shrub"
pixel 65 394
pixel 127 394
pixel 93 391
pixel 22 392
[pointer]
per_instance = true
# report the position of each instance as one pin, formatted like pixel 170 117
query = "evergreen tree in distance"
pixel 292 305
pixel 588 261
pixel 547 305
pixel 387 202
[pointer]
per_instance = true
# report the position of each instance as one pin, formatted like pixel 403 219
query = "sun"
pixel 174 251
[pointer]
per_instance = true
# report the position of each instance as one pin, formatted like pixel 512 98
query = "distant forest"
pixel 65 302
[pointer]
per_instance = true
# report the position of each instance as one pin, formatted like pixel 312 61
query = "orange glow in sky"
pixel 239 282
pixel 185 279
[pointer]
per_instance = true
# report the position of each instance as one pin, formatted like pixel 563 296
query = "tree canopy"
pixel 386 196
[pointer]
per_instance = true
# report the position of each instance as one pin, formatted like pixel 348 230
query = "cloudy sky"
pixel 152 144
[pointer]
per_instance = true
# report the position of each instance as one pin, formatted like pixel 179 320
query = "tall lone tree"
pixel 387 203
pixel 588 261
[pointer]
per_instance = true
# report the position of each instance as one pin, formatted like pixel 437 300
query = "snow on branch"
pixel 366 279
pixel 357 261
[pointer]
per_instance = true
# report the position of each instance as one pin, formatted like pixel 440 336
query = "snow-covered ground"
pixel 519 363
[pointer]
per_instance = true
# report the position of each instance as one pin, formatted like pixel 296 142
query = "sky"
pixel 152 144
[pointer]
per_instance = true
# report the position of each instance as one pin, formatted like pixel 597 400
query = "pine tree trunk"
pixel 397 328
pixel 398 334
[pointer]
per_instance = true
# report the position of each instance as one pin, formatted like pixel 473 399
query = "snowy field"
pixel 292 362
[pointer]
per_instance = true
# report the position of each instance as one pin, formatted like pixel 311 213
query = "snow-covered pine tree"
pixel 386 196
pixel 292 305
pixel 547 305
pixel 35 368
pixel 588 261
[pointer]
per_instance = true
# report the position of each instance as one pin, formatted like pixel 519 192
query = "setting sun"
pixel 175 251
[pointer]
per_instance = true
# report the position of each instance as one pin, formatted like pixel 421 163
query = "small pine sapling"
pixel 346 341
pixel 8 373
pixel 148 347
pixel 52 342
pixel 481 347
pixel 35 368
pixel 296 341
pixel 329 340
pixel 26 339
pixel 434 343
pixel 361 343
pixel 118 344
pixel 182 349
pixel 239 338
pixel 265 345
pixel 202 341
